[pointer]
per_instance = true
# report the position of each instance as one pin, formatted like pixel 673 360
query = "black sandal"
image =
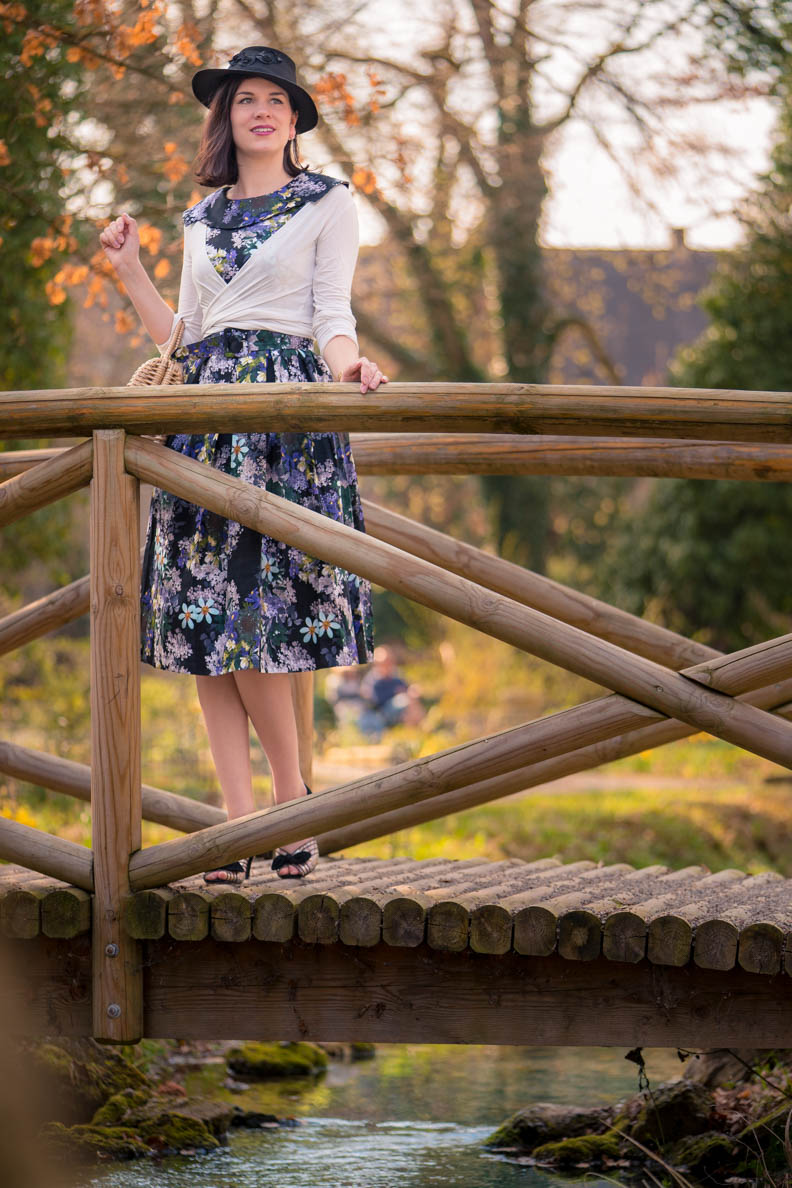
pixel 233 872
pixel 305 860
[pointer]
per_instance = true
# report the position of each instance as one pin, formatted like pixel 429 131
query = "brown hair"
pixel 216 162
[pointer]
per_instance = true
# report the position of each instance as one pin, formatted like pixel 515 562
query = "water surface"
pixel 414 1117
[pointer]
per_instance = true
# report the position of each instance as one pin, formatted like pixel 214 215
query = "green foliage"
pixel 754 35
pixel 35 99
pixel 707 558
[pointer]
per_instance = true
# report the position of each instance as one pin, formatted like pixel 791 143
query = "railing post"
pixel 115 737
pixel 302 690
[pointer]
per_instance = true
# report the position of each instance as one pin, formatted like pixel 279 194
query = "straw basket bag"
pixel 161 370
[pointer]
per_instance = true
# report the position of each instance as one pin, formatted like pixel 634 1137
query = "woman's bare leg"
pixel 229 739
pixel 267 699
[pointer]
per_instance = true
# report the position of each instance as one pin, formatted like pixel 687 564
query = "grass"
pixel 698 801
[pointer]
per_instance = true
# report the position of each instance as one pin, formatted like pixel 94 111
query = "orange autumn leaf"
pixel 96 286
pixel 72 274
pixel 123 322
pixel 5 156
pixel 175 169
pixel 34 44
pixel 122 174
pixel 170 147
pixel 55 292
pixel 40 250
pixel 150 238
pixel 364 179
pixel 162 268
pixel 185 43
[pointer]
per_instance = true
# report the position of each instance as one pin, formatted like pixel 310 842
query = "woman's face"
pixel 261 118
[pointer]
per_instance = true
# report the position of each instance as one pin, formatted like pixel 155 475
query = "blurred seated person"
pixel 390 701
pixel 342 690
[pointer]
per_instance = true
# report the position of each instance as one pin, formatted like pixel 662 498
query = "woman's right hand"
pixel 121 241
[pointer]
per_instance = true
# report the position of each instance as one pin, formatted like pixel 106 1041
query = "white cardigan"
pixel 297 282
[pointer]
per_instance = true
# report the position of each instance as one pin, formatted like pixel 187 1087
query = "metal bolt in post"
pixel 111 950
pixel 114 1011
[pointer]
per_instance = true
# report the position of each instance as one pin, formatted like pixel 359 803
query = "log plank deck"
pixel 430 951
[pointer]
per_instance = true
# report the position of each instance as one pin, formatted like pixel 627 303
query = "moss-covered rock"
pixel 709 1154
pixel 257 1061
pixel 174 1131
pixel 588 1148
pixel 75 1077
pixel 118 1106
pixel 671 1112
pixel 362 1051
pixel 93 1143
pixel 545 1123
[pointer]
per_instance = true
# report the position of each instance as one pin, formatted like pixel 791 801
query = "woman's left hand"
pixel 364 370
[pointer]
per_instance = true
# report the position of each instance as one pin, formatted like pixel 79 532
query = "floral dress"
pixel 218 597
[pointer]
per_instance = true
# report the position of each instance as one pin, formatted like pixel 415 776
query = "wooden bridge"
pixel 119 941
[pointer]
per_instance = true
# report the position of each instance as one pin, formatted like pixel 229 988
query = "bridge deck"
pixel 578 911
pixel 581 953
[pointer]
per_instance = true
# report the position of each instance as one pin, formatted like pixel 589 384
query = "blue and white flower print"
pixel 218 597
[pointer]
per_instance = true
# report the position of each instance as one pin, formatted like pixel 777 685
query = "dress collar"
pixel 224 213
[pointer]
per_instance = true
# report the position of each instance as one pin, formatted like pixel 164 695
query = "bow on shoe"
pixel 287 859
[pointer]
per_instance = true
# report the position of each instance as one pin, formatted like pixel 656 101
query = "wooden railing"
pixel 663 686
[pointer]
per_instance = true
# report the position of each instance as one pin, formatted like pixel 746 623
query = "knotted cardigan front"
pixel 297 282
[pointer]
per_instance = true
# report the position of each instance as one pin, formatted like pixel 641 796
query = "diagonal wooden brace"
pixel 644 681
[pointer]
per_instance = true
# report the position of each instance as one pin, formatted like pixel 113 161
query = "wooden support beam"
pixel 604 663
pixel 46 854
pixel 454 453
pixel 427 778
pixel 589 411
pixel 534 590
pixel 215 990
pixel 115 737
pixel 74 779
pixel 45 483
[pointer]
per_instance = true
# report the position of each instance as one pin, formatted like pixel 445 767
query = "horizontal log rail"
pixel 45 483
pixel 54 856
pixel 74 779
pixel 501 453
pixel 589 411
pixel 18 461
pixel 612 457
pixel 649 684
pixel 426 778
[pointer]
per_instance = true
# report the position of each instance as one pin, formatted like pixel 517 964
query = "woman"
pixel 268 264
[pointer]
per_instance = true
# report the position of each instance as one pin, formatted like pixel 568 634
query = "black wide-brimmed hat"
pixel 260 61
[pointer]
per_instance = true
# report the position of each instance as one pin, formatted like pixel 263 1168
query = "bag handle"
pixel 174 341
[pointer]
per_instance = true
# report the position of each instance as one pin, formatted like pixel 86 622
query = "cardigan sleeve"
pixel 334 267
pixel 189 308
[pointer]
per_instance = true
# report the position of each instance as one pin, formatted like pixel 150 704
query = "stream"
pixel 413 1117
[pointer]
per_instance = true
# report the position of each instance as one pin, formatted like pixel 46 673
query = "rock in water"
pixel 261 1062
pixel 670 1112
pixel 545 1123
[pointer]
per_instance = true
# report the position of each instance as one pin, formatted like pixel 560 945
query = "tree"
pixel 710 557
pixel 447 139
